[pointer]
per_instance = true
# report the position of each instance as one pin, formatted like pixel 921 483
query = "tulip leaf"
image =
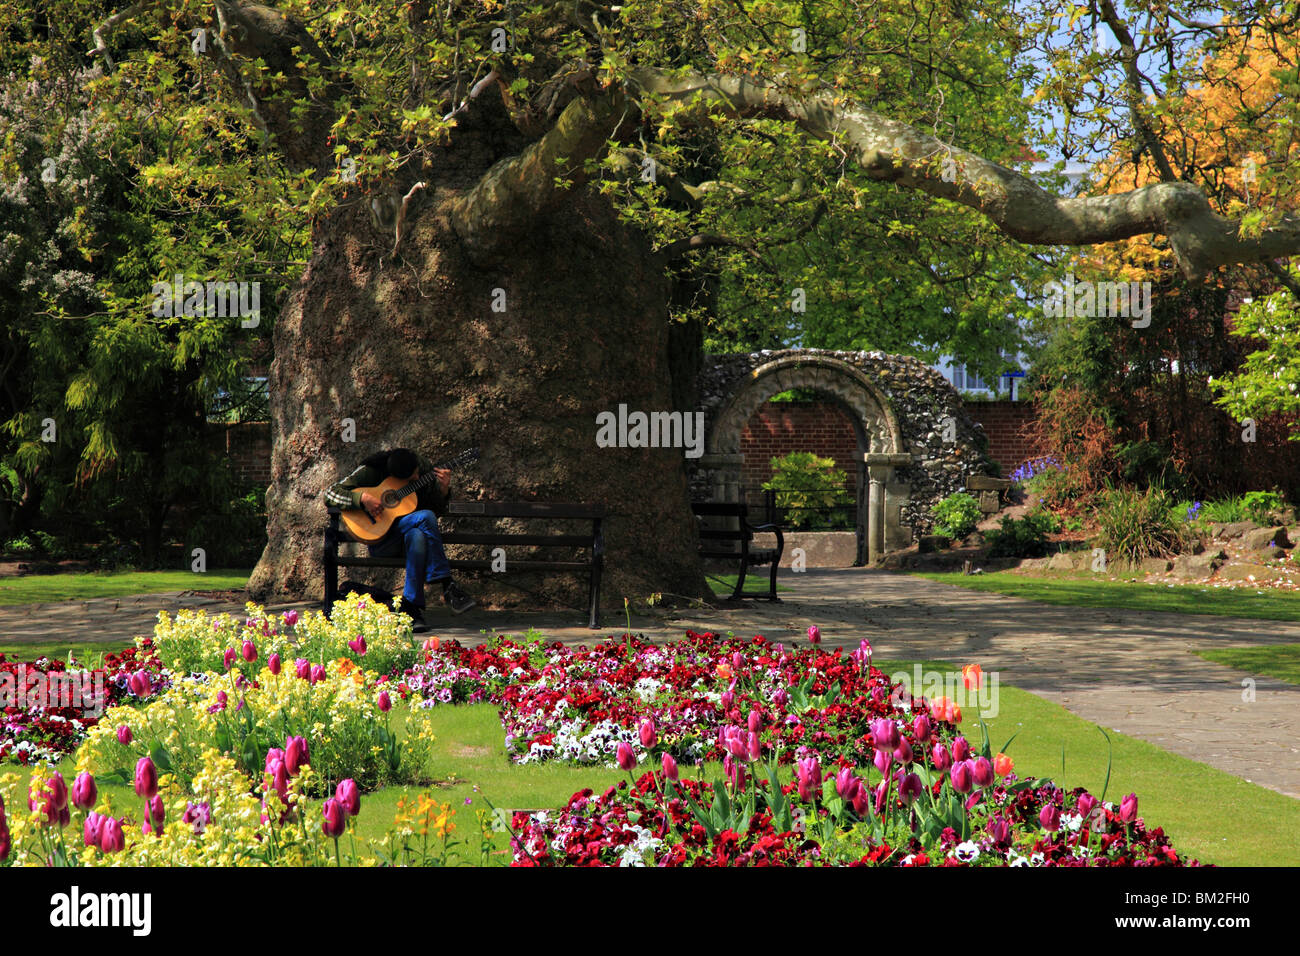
pixel 159 756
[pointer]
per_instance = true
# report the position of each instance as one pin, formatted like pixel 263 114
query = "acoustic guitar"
pixel 396 498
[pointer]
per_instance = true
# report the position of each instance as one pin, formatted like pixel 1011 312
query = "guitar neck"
pixel 428 478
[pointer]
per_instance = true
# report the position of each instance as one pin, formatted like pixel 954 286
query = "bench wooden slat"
pixel 524 509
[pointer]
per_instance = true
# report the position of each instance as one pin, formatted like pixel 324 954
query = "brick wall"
pixel 779 428
pixel 248 447
pixel 1005 423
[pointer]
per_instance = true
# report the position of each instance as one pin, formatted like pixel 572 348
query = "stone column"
pixel 880 468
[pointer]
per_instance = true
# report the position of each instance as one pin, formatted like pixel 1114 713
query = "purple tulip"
pixel 999 830
pixel 982 772
pixel 124 735
pixel 348 796
pixel 903 752
pixel 385 702
pixel 290 617
pixel 157 813
pixel 626 757
pixel 960 749
pixel 249 651
pixel 940 758
pixel 222 700
pixel 883 760
pixel 303 668
pixel 228 658
pixel 960 776
pixel 57 788
pixel 1128 808
pixel 847 783
pixel 272 755
pixel 670 766
pixel 296 755
pixel 737 661
pixel 921 729
pixel 809 772
pixel 84 791
pixel 279 780
pixel 910 788
pixel 755 721
pixel 781 698
pixel 90 830
pixel 647 732
pixel 815 634
pixel 335 822
pixel 111 837
pixel 146 778
pixel 274 664
pixel 755 750
pixel 1050 818
pixel 197 815
pixel 1086 804
pixel 317 674
pixel 884 734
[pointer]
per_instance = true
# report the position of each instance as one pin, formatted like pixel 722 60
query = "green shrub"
pixel 1224 511
pixel 20 545
pixel 956 516
pixel 1023 538
pixel 808 487
pixel 1260 505
pixel 1133 525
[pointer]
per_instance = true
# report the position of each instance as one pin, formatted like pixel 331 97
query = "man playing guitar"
pixel 416 534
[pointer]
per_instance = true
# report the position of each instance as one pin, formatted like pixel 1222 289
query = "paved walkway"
pixel 1132 671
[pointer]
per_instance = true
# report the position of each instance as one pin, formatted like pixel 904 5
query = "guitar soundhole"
pixel 390 498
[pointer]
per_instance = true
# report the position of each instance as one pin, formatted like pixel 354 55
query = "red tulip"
pixel 1128 808
pixel 111 837
pixel 960 776
pixel 5 840
pixel 970 675
pixel 670 766
pixel 648 737
pixel 940 758
pixel 273 662
pixel 250 651
pixel 348 796
pixel 385 702
pixel 815 634
pixel 960 749
pixel 124 735
pixel 1050 818
pixel 626 757
pixel 84 791
pixel 146 778
pixel 335 822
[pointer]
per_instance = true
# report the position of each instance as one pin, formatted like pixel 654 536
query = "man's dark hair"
pixel 402 463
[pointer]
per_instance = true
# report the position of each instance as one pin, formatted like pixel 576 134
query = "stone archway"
pixel 915 440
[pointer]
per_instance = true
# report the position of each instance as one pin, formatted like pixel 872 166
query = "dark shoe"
pixel 416 614
pixel 456 599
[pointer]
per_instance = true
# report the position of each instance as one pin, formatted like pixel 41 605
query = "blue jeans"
pixel 417 534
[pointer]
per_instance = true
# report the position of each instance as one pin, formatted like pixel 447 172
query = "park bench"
pixel 734 542
pixel 592 541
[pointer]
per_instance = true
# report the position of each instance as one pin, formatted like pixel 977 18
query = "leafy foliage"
pixel 809 489
pixel 1134 524
pixel 1022 537
pixel 956 515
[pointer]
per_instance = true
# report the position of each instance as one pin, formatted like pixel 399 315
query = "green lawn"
pixel 1091 592
pixel 755 583
pixel 1281 661
pixel 1210 815
pixel 42 588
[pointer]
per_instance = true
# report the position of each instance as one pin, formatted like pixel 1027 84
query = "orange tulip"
pixel 970 675
pixel 432 644
pixel 1003 765
pixel 724 671
pixel 945 709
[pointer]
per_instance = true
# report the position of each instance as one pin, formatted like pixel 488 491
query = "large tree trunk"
pixel 414 353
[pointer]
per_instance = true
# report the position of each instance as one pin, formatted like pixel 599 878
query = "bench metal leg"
pixel 331 566
pixel 597 565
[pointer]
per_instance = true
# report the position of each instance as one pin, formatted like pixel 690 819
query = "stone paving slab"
pixel 1131 671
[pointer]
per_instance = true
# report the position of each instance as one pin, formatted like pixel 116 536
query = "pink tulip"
pixel 335 822
pixel 279 781
pixel 921 728
pixel 303 668
pixel 755 750
pixel 815 634
pixel 903 752
pixel 385 702
pixel 111 837
pixel 911 788
pixel 157 813
pixel 883 760
pixel 982 772
pixel 728 698
pixel 960 749
pixel 861 801
pixel 348 796
pixel 670 766
pixel 847 783
pixel 124 735
pixel 755 721
pixel 274 664
pixel 139 684
pixel 999 830
pixel 228 658
pixel 626 757
pixel 358 645
pixel 884 734
pixel 737 660
pixel 940 758
pixel 647 731
pixel 317 673
pixel 1086 804
pixel 296 755
pixel 290 617
pixel 146 778
pixel 84 791
pixel 1050 818
pixel 809 772
pixel 1128 808
pixel 781 698
pixel 222 700
pixel 960 776
pixel 57 788
pixel 735 771
pixel 249 651
pixel 272 755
